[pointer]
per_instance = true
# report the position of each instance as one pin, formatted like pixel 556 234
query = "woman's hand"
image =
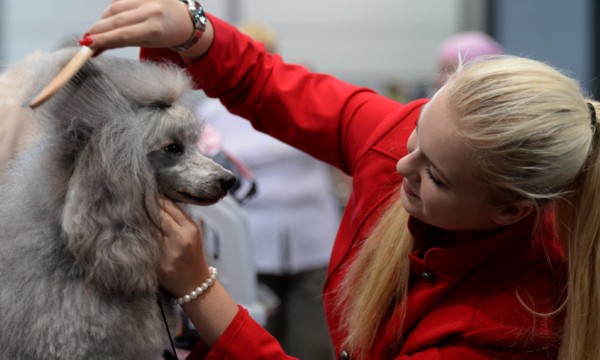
pixel 183 265
pixel 149 24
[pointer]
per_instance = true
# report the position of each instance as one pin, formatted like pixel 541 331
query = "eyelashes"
pixel 435 180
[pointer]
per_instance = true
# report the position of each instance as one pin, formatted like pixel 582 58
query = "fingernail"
pixel 86 40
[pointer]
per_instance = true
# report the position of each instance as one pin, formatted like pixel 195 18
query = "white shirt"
pixel 294 216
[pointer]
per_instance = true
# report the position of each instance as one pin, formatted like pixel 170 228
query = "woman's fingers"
pixel 149 23
pixel 119 6
pixel 127 29
pixel 182 264
pixel 176 213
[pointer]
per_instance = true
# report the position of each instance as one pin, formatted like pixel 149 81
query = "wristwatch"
pixel 199 19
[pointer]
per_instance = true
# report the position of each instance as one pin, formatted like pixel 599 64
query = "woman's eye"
pixel 435 180
pixel 173 148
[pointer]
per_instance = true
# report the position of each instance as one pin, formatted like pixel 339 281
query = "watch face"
pixel 200 19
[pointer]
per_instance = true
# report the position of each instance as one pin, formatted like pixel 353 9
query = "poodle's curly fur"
pixel 80 230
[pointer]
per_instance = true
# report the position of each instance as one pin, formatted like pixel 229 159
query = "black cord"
pixel 162 312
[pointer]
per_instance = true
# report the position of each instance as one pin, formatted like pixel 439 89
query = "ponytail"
pixel 377 281
pixel 578 225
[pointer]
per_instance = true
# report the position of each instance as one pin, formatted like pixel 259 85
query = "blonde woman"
pixel 448 248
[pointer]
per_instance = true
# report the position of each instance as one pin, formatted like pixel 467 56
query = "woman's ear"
pixel 513 213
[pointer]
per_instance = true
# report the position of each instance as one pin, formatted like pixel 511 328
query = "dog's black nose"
pixel 227 182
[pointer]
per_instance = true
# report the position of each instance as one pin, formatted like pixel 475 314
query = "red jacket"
pixel 464 302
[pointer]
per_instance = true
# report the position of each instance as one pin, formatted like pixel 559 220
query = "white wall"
pixel 366 42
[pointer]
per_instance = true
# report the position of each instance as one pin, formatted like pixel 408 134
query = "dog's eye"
pixel 173 148
pixel 160 105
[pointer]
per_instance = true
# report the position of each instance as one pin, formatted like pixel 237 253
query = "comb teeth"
pixel 63 76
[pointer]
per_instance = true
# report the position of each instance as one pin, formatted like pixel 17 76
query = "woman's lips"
pixel 408 190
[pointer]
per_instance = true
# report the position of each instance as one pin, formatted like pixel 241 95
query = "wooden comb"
pixel 63 76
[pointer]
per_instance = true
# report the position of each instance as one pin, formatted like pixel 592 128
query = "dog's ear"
pixel 111 214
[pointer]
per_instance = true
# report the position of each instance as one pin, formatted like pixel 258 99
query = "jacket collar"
pixel 518 242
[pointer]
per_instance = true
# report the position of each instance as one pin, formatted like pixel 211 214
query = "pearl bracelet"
pixel 199 290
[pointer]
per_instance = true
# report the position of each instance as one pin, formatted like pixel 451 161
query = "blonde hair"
pixel 531 135
pixel 376 280
pixel 532 132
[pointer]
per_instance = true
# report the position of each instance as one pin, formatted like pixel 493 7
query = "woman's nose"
pixel 407 166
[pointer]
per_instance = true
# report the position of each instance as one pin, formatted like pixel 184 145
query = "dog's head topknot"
pixel 104 91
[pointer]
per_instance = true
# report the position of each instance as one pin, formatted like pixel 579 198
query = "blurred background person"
pixel 464 47
pixel 293 221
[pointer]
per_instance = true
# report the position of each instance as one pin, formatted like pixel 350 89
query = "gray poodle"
pixel 80 230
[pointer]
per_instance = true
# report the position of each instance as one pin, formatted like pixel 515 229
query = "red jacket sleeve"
pixel 245 339
pixel 323 116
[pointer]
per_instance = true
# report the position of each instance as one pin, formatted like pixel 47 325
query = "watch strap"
pixel 199 21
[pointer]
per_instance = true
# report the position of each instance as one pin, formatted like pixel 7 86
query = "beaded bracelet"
pixel 199 290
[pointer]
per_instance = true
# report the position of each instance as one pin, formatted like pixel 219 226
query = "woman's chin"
pixel 409 205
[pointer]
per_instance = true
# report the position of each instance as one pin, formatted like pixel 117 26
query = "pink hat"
pixel 468 46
